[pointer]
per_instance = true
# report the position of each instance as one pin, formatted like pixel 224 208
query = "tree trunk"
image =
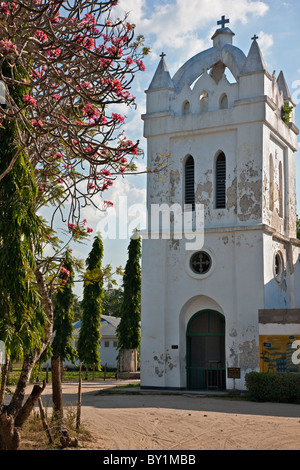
pixel 58 412
pixel 78 416
pixel 11 424
pixel 14 415
pixel 10 435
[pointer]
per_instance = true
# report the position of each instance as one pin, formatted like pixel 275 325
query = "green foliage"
pixel 128 330
pixel 279 388
pixel 298 228
pixel 286 112
pixel 112 301
pixel 89 335
pixel 63 313
pixel 22 318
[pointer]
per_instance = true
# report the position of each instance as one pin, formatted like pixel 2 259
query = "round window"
pixel 200 262
pixel 278 265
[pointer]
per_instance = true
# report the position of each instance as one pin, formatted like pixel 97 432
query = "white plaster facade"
pixel 243 120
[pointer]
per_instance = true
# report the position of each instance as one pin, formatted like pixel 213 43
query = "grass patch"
pixel 34 436
pixel 69 375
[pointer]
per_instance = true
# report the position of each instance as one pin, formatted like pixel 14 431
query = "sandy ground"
pixel 180 421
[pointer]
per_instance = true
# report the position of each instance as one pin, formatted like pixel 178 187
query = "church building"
pixel 231 306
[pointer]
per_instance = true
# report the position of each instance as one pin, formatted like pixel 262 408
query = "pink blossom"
pixel 65 271
pixel 53 53
pixel 140 65
pixel 104 63
pixel 118 118
pixel 29 100
pixel 105 172
pixel 4 9
pixel 129 60
pixel 109 203
pixel 7 47
pixel 41 36
pixel 37 123
pixel 85 41
pixel 56 96
pixel 90 112
pixel 85 85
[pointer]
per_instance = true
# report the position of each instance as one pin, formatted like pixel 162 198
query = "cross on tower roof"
pixel 223 21
pixel 162 55
pixel 254 37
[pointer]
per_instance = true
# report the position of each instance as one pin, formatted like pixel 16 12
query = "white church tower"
pixel 215 313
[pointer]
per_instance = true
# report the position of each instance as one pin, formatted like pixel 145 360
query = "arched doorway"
pixel 205 339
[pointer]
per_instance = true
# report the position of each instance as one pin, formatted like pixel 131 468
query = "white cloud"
pixel 181 26
pixel 124 195
pixel 266 42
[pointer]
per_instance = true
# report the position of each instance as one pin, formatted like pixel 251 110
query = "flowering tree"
pixel 77 61
pixel 73 64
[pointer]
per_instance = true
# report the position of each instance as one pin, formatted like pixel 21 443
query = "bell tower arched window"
pixel 186 108
pixel 189 195
pixel 224 102
pixel 204 102
pixel 221 181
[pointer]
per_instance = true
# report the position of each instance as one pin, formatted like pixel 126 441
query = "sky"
pixel 181 29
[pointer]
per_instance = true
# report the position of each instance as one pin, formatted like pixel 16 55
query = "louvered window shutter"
pixel 221 182
pixel 190 182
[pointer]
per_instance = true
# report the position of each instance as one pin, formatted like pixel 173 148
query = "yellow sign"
pixel 277 353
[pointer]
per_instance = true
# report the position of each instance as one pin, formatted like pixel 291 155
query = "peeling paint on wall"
pixel 164 361
pixel 248 355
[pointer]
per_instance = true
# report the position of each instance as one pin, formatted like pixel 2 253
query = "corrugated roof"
pixel 108 325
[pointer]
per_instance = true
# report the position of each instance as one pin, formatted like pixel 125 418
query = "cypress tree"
pixel 64 312
pixel 128 330
pixel 62 347
pixel 89 335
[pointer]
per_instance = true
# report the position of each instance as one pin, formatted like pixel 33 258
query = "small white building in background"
pixel 232 306
pixel 108 342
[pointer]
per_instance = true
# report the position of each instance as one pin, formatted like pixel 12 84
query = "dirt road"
pixel 182 421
